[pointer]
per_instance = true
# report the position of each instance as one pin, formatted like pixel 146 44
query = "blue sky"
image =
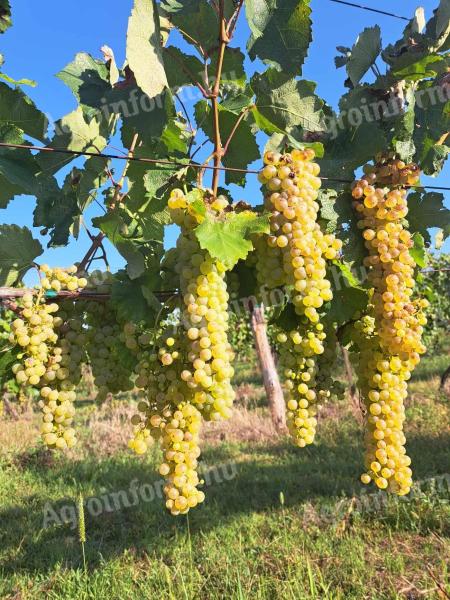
pixel 47 35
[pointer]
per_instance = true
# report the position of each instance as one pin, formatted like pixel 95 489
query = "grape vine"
pixel 330 262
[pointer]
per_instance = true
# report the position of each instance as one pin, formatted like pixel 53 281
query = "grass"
pixel 324 538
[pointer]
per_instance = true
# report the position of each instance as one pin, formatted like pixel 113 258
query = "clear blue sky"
pixel 46 36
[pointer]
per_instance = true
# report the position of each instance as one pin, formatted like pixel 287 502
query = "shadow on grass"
pixel 319 475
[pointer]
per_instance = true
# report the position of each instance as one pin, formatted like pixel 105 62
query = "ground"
pixel 278 523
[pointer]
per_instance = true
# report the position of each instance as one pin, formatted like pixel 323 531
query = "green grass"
pixel 323 542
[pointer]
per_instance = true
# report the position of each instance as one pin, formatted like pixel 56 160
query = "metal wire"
pixel 375 10
pixel 173 163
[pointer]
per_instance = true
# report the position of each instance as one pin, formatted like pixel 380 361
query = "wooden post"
pixel 444 384
pixel 271 380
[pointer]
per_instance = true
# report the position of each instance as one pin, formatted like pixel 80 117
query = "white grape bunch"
pixel 45 361
pixel 296 257
pixel 392 344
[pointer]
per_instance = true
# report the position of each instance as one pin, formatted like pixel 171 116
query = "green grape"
pixel 390 345
pixel 47 363
pixel 298 256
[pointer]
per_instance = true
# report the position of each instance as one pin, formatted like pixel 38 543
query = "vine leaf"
pixel 418 251
pixel 18 250
pixel 281 32
pixel 88 79
pixel 433 157
pixel 195 19
pixel 278 142
pixel 227 240
pixel 18 168
pixel 74 132
pixel 288 103
pixel 433 122
pixel 438 27
pixel 144 54
pixel 233 73
pixel 177 76
pixel 425 68
pixel 349 297
pixel 5 15
pixel 142 115
pixel 133 298
pixel 243 148
pixel 364 53
pixel 426 210
pixel 404 128
pixel 59 209
pixel 12 81
pixel 132 237
pixel 19 109
pixel 337 213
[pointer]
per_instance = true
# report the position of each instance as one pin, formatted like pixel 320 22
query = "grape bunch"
pixel 110 360
pixel 186 376
pixel 296 256
pixel 46 363
pixel 392 344
pixel 166 413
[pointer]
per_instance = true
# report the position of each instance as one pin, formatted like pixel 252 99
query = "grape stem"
pixel 97 241
pixel 218 150
pixel 234 19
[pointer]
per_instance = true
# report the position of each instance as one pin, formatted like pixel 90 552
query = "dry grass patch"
pixel 244 426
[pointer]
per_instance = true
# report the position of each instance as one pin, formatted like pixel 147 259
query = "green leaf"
pixel 176 137
pixel 196 19
pixel 131 235
pixel 74 132
pixel 18 250
pixel 8 191
pixel 129 300
pixel 350 274
pixel 7 359
pixel 59 209
pixel 433 157
pixel 237 103
pixel 418 251
pixel 337 212
pixel 348 297
pixel 288 319
pixel 141 115
pixel 18 109
pixel 432 123
pixel 426 210
pixel 12 81
pixel 233 72
pixel 88 79
pixel 281 32
pixel 18 167
pixel 144 54
pixel 364 53
pixel 288 103
pixel 242 149
pixel 420 69
pixel 438 27
pixel 152 216
pixel 280 142
pixel 404 128
pixel 113 225
pixel 181 69
pixel 5 15
pixel 228 240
